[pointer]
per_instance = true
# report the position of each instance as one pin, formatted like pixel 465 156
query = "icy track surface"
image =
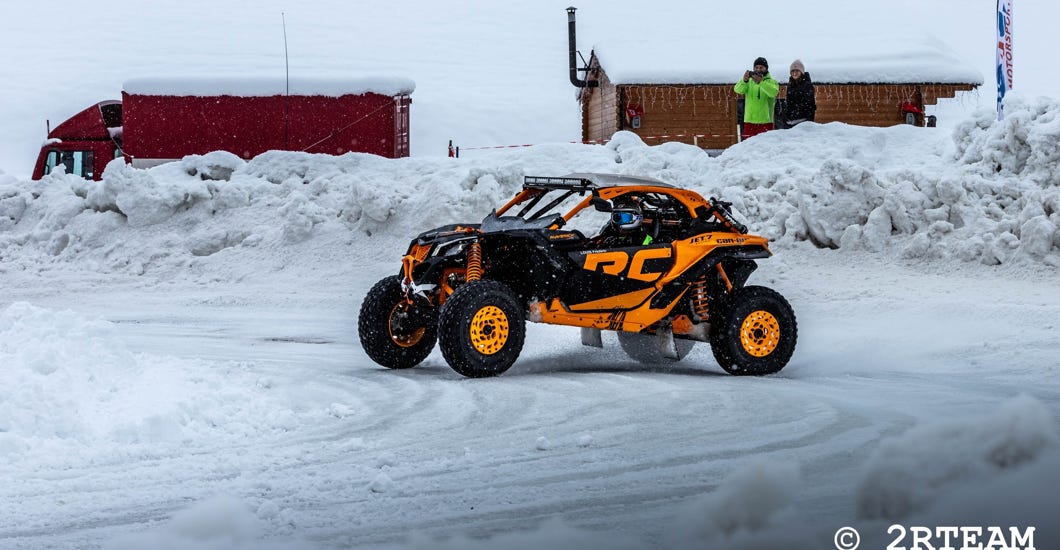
pixel 180 365
pixel 242 412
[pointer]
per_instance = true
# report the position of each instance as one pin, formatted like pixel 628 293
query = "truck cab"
pixel 85 143
pixel 161 120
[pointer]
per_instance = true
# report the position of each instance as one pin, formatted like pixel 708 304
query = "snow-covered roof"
pixel 268 86
pixel 891 59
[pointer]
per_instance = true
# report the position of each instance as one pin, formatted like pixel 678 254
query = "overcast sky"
pixel 487 73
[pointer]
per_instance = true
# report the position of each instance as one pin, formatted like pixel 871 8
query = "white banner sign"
pixel 1004 52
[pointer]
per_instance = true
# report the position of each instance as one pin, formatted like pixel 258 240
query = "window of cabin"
pixel 75 162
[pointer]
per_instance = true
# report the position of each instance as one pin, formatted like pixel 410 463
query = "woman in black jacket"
pixel 801 105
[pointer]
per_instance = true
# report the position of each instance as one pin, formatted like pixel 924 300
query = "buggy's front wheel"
pixel 481 329
pixel 753 332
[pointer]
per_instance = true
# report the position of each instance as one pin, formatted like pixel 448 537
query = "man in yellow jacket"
pixel 760 93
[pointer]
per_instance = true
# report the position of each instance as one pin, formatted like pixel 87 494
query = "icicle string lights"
pixel 702 105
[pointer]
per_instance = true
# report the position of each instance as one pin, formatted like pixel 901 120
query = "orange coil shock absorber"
pixel 474 262
pixel 700 298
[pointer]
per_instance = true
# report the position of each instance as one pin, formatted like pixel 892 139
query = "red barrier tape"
pixel 600 141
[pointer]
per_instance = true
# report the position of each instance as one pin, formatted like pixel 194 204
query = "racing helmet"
pixel 627 217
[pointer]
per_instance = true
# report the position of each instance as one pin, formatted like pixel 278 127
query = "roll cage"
pixel 667 202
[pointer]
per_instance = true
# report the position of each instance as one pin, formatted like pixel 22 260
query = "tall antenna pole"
pixel 287 76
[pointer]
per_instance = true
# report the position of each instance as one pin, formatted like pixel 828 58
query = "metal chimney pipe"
pixel 574 54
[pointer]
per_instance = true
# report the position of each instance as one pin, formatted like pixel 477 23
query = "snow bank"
pixel 988 193
pixel 907 190
pixel 54 365
pixel 1024 144
pixel 179 218
pixel 906 473
pixel 71 386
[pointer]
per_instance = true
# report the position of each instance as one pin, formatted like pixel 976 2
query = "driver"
pixel 627 225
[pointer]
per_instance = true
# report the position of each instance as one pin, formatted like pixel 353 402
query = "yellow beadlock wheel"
pixel 753 331
pixel 393 332
pixel 489 330
pixel 402 338
pixel 481 328
pixel 760 333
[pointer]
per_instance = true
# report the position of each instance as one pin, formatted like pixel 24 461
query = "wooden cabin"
pixel 690 98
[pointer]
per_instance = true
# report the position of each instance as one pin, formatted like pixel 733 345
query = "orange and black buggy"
pixel 660 265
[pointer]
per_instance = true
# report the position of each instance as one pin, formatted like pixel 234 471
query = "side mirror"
pixel 600 205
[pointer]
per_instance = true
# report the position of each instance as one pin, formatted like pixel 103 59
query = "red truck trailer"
pixel 160 120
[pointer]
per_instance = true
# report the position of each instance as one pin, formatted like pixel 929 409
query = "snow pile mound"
pixel 907 472
pixel 988 193
pixel 55 364
pixel 215 213
pixel 1025 144
pixel 71 385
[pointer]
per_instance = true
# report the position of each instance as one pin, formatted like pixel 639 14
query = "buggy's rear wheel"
pixel 753 332
pixel 395 333
pixel 481 329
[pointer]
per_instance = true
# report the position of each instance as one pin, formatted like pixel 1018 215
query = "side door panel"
pixel 615 278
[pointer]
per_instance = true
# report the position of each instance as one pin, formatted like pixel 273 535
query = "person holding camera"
pixel 802 103
pixel 760 96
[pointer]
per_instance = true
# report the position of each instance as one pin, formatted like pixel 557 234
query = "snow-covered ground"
pixel 181 367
